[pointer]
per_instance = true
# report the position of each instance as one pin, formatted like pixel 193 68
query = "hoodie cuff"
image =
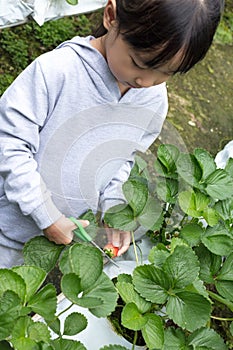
pixel 46 214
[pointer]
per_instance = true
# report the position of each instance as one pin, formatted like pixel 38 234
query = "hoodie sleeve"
pixel 23 110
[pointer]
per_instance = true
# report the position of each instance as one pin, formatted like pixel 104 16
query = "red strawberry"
pixel 110 250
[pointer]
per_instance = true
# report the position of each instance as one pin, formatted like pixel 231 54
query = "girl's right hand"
pixel 61 232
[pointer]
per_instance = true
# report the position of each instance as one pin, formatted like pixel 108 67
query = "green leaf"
pixel 72 289
pixel 188 310
pixel 191 233
pixel 225 289
pixel 10 280
pixel 85 261
pixel 226 272
pixel 25 344
pixel 168 155
pixel 218 240
pixel 231 328
pixel 182 266
pixel 167 189
pixel 152 283
pixel 225 208
pixel 10 305
pixel 206 338
pixel 152 215
pixel 20 329
pixel 132 318
pixel 209 264
pixel 229 166
pixel 205 161
pixel 219 185
pixel 33 277
pixel 121 217
pixel 92 228
pixel 44 302
pixel 193 203
pixel 189 169
pixel 72 2
pixel 158 254
pixel 153 332
pixel 136 194
pixel 174 339
pixel 41 252
pixel 67 344
pixel 74 323
pixel 211 216
pixel 129 295
pixel 105 290
pixel 114 347
pixel 39 332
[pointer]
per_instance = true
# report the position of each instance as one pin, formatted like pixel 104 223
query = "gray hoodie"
pixel 68 139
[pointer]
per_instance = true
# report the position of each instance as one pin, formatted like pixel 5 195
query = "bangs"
pixel 163 28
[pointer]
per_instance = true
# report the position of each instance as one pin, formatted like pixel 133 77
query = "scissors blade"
pixel 103 252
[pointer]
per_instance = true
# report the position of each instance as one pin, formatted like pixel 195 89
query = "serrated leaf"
pixel 24 344
pixel 41 252
pixel 10 280
pixel 193 203
pixel 153 332
pixel 174 339
pixel 182 266
pixel 152 283
pixel 211 216
pixel 226 272
pixel 121 217
pixel 132 318
pixel 191 233
pixel 72 289
pixel 44 302
pixel 225 289
pixel 33 277
pixel 67 344
pixel 209 264
pixel 152 215
pixel 189 169
pixel 218 240
pixel 225 208
pixel 168 155
pixel 158 255
pixel 136 194
pixel 229 166
pixel 167 189
pixel 206 162
pixel 206 337
pixel 129 295
pixel 73 262
pixel 188 310
pixel 39 332
pixel 10 305
pixel 219 185
pixel 106 291
pixel 74 323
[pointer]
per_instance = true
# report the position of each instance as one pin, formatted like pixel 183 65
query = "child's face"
pixel 127 65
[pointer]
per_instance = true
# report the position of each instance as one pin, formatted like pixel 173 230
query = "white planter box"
pixel 99 331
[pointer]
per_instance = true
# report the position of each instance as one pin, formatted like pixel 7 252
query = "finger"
pixel 125 243
pixel 84 223
pixel 116 238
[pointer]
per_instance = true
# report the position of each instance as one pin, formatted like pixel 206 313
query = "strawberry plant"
pixel 180 298
pixel 183 297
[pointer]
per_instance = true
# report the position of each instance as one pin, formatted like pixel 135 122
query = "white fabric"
pixel 14 12
pixel 223 156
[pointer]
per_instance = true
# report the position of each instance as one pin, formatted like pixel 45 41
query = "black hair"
pixel 167 27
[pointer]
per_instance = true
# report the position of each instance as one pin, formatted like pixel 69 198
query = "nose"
pixel 145 82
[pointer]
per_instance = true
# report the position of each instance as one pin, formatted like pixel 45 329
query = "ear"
pixel 109 18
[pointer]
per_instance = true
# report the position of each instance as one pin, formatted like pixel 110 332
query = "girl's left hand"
pixel 118 238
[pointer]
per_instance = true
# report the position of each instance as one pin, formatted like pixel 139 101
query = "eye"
pixel 136 64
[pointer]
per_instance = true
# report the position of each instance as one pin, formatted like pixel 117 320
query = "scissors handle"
pixel 83 235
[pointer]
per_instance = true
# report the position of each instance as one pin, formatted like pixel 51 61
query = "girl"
pixel 71 123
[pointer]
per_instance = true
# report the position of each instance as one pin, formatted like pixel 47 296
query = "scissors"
pixel 84 236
